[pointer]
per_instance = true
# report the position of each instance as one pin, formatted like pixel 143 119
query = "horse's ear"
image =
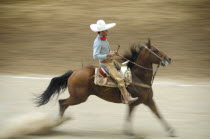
pixel 149 43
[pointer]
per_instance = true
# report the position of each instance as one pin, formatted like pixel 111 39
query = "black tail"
pixel 57 85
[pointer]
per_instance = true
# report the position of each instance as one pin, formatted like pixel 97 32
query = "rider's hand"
pixel 116 53
pixel 111 54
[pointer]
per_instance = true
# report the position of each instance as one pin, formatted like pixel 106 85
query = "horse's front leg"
pixel 167 127
pixel 128 128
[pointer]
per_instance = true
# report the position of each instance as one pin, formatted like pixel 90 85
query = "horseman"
pixel 102 52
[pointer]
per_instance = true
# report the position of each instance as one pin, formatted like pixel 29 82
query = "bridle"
pixel 155 70
pixel 143 66
pixel 153 53
pixel 153 76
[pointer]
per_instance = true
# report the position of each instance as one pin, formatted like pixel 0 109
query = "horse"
pixel 81 85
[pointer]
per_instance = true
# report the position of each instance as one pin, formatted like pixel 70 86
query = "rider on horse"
pixel 102 52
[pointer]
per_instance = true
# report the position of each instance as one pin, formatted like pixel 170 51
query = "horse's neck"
pixel 144 75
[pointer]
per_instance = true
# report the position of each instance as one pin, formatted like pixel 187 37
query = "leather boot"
pixel 132 99
pixel 128 99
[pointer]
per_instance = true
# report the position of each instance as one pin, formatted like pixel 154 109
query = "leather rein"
pixel 155 70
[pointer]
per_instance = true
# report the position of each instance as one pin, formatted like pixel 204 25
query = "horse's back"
pixel 81 75
pixel 80 80
pixel 81 84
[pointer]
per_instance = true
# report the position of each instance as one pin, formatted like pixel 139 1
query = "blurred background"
pixel 52 36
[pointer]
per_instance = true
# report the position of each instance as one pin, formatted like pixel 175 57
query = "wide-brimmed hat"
pixel 101 26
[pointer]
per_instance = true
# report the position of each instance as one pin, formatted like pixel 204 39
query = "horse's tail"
pixel 57 85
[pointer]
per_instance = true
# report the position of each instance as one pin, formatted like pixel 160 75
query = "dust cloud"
pixel 31 123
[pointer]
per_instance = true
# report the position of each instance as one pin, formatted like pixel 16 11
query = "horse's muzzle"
pixel 165 62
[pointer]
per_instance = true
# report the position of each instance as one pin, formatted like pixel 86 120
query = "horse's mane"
pixel 135 49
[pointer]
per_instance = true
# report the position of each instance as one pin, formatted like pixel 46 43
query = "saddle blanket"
pixel 102 79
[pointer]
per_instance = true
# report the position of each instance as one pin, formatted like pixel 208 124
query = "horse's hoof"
pixel 133 135
pixel 66 118
pixel 171 132
pixel 129 133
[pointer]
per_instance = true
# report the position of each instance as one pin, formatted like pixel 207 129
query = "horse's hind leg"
pixel 154 109
pixel 64 103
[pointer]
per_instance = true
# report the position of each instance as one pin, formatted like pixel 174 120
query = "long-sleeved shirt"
pixel 100 49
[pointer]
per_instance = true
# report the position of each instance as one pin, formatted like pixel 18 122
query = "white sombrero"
pixel 101 26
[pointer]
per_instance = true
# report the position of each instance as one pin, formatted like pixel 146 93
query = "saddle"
pixel 102 78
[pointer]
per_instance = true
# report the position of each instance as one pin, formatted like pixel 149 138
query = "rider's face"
pixel 104 33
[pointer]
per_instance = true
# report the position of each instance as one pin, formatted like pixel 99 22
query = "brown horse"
pixel 81 85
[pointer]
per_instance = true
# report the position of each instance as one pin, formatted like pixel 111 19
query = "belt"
pixel 106 61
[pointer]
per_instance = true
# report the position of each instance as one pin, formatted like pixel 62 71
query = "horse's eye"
pixel 156 51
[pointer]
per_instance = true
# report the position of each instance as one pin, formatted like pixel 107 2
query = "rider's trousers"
pixel 118 78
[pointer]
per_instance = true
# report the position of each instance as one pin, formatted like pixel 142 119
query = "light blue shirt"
pixel 100 49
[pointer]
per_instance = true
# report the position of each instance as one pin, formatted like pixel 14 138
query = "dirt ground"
pixel 185 105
